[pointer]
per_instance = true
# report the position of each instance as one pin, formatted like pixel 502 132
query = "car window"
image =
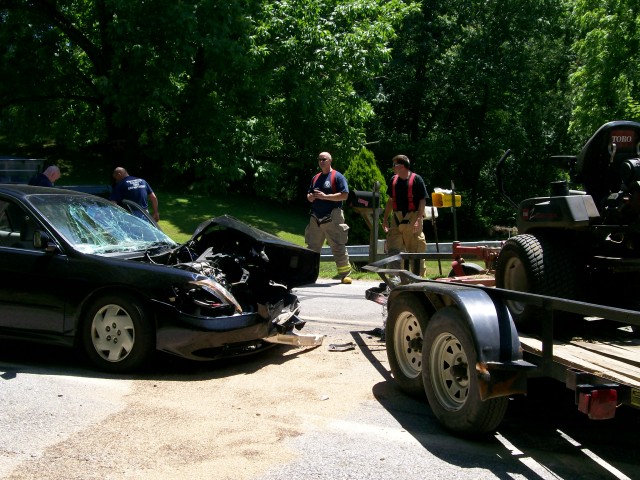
pixel 5 226
pixel 16 226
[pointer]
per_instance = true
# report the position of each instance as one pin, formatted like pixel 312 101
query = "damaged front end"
pixel 240 300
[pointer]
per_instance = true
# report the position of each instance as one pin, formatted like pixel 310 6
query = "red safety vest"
pixel 412 205
pixel 332 174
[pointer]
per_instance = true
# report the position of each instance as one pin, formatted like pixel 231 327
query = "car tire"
pixel 117 334
pixel 450 379
pixel 406 322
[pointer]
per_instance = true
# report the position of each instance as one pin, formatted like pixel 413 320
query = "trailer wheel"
pixel 537 265
pixel 450 379
pixel 404 337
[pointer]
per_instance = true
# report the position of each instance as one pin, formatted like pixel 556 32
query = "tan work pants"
pixel 401 238
pixel 336 233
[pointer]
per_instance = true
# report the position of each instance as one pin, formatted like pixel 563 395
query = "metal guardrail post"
pixel 434 223
pixel 373 238
pixel 453 211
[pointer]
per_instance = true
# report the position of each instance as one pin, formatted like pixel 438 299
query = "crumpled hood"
pixel 286 263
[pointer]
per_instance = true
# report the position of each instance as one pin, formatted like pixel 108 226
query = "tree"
pixel 219 92
pixel 143 79
pixel 606 81
pixel 468 80
pixel 319 62
pixel 362 174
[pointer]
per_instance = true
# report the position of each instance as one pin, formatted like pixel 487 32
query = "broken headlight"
pixel 207 298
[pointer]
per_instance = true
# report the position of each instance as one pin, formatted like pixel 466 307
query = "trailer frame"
pixel 506 358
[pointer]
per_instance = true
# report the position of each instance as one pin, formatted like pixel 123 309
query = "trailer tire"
pixel 450 380
pixel 404 335
pixel 535 264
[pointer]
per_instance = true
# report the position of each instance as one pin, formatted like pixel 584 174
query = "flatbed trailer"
pixel 454 340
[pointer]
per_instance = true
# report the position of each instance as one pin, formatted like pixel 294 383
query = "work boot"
pixel 346 280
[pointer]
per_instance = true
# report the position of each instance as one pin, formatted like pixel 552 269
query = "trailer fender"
pixel 499 365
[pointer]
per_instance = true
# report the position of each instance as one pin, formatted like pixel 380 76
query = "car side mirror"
pixel 42 241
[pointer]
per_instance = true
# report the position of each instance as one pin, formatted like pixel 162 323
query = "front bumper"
pixel 208 338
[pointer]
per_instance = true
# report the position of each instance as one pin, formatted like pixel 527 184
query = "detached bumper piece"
pixel 286 323
pixel 295 339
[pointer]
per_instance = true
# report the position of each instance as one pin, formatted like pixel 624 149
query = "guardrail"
pixel 360 253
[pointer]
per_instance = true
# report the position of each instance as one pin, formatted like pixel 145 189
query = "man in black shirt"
pixel 404 212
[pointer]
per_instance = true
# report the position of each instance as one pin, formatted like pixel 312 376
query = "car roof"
pixel 22 191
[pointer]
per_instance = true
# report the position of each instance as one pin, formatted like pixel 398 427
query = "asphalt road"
pixel 351 420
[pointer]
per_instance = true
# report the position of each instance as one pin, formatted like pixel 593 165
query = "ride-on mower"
pixel 580 244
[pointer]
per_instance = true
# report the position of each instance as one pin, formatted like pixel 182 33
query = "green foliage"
pixel 606 82
pixel 223 94
pixel 319 60
pixel 469 80
pixel 363 174
pixel 221 97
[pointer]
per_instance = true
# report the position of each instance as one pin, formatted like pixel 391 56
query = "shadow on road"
pixel 25 357
pixel 542 435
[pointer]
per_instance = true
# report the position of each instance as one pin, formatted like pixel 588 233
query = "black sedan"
pixel 78 270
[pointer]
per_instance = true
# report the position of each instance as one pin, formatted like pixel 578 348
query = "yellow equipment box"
pixel 444 199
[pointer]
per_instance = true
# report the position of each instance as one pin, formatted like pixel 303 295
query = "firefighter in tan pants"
pixel 327 191
pixel 404 212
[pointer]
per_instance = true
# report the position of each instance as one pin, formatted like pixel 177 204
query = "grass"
pixel 180 215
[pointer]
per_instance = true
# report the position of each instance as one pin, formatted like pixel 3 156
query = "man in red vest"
pixel 404 212
pixel 326 193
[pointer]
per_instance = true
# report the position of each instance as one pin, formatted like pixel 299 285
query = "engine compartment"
pixel 255 270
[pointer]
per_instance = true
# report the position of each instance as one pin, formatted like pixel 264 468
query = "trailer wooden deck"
pixel 615 358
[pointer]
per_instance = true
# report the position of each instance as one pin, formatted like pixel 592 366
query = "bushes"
pixel 362 174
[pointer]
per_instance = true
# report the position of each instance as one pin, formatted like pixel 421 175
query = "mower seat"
pixel 598 165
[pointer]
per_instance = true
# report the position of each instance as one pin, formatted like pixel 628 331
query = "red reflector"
pixel 599 404
pixel 583 402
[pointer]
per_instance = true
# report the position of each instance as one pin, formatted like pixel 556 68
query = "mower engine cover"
pixel 603 161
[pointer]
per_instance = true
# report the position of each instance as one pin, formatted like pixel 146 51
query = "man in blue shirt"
pixel 327 191
pixel 135 189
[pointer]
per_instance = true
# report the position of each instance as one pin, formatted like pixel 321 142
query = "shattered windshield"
pixel 95 225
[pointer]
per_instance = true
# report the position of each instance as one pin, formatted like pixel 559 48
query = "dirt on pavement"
pixel 223 420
